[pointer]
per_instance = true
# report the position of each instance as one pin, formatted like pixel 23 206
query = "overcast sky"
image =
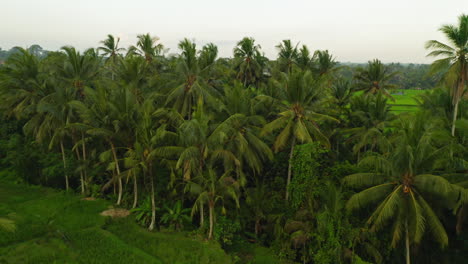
pixel 353 30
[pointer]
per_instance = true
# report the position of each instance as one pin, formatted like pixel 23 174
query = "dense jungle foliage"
pixel 301 155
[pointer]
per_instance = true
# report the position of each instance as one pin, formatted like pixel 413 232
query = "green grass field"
pixel 55 227
pixel 405 102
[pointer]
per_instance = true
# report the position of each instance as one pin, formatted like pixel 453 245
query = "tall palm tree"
pixel 304 58
pixel 151 137
pixel 455 60
pixel 192 67
pixel 324 63
pixel 287 55
pixel 299 107
pixel 375 78
pixel 240 127
pixel 148 47
pixel 211 189
pixel 51 120
pixel 79 71
pixel 403 185
pixel 22 85
pixel 110 114
pixel 369 117
pixel 110 48
pixel 248 61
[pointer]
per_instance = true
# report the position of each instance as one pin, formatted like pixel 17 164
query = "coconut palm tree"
pixel 51 120
pixel 455 60
pixel 375 78
pixel 304 59
pixel 193 87
pixel 110 113
pixel 22 85
pixel 79 70
pixel 212 188
pixel 248 61
pixel 299 107
pixel 151 137
pixel 324 63
pixel 240 127
pixel 147 47
pixel 369 117
pixel 110 48
pixel 403 184
pixel 287 55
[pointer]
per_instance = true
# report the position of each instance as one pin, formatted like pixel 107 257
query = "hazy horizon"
pixel 353 31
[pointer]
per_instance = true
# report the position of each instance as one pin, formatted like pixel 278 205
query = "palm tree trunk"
pixel 117 167
pixel 153 203
pixel 455 112
pixel 293 143
pixel 64 165
pixel 190 109
pixel 135 191
pixel 85 174
pixel 461 218
pixel 459 93
pixel 81 171
pixel 211 212
pixel 257 226
pixel 202 215
pixel 407 244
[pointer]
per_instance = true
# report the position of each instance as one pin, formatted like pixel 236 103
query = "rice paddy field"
pixel 405 100
pixel 58 227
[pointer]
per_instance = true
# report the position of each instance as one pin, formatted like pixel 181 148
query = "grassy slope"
pixel 55 227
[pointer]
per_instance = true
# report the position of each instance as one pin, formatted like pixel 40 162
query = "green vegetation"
pixel 62 228
pixel 232 160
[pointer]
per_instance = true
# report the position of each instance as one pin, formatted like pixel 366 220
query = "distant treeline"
pixel 35 49
pixel 410 76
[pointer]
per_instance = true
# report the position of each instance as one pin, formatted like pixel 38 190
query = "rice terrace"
pixel 248 131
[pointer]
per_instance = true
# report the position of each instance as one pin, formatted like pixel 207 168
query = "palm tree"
pixel 240 126
pixel 211 189
pixel 110 114
pixel 341 92
pixel 193 87
pixel 375 78
pixel 299 105
pixel 369 117
pixel 132 71
pixel 51 120
pixel 403 185
pixel 304 59
pixel 324 63
pixel 111 49
pixel 147 47
pixel 151 137
pixel 21 84
pixel 79 71
pixel 287 55
pixel 455 60
pixel 248 61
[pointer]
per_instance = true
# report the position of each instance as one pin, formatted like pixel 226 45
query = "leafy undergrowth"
pixel 56 227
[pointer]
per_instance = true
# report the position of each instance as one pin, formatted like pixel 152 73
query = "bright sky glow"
pixel 353 30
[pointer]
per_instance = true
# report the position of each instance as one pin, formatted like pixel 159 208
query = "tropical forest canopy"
pixel 299 154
